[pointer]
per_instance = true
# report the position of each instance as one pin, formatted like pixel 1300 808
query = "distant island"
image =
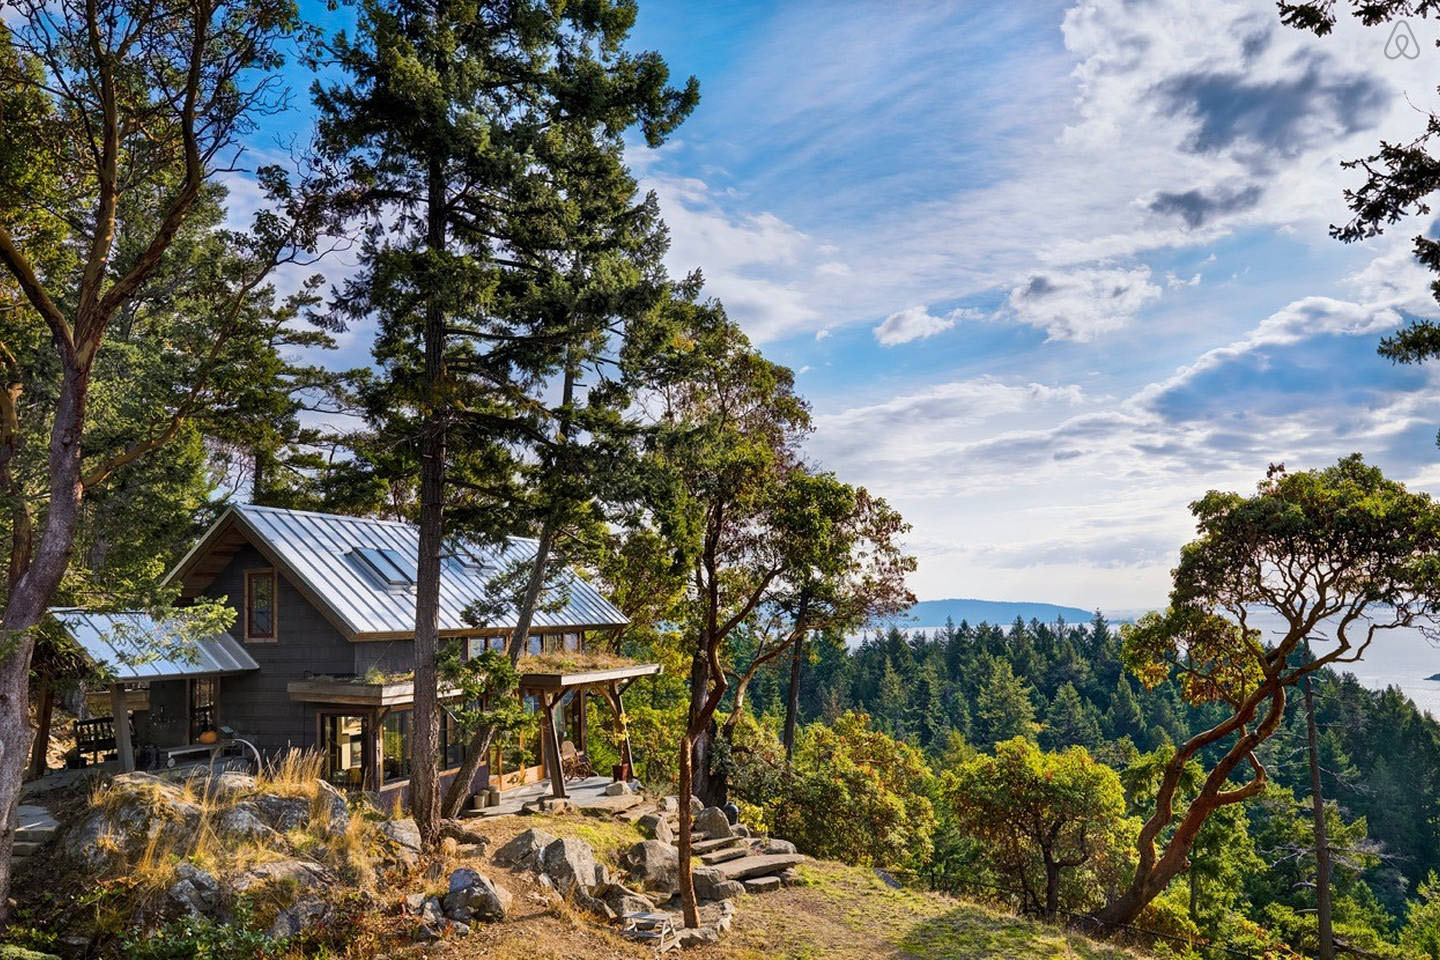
pixel 933 613
pixel 1434 676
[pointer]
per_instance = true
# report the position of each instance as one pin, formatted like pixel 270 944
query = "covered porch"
pixel 552 679
pixel 161 690
pixel 363 727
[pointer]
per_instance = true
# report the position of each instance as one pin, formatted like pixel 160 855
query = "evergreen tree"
pixel 1070 722
pixel 1002 707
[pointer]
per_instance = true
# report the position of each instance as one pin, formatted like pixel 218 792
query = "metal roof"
pixel 333 558
pixel 136 646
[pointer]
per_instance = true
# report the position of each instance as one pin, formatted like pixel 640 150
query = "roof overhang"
pixel 585 678
pixel 134 647
pixel 358 693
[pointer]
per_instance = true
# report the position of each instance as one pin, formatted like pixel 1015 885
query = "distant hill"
pixel 932 613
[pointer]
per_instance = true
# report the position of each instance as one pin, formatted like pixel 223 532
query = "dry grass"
pixel 572 661
pixel 296 773
pixel 842 912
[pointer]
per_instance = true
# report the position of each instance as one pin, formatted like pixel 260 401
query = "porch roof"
pixel 135 646
pixel 564 680
pixel 357 691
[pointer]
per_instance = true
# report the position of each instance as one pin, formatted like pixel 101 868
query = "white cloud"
pixel 1081 304
pixel 912 323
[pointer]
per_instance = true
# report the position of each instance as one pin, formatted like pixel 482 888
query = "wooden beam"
pixel 550 747
pixel 120 721
pixel 622 728
pixel 40 751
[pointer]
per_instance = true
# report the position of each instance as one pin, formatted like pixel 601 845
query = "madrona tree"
pixel 117 118
pixel 747 522
pixel 1338 555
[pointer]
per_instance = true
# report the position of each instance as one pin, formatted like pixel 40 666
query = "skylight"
pixel 388 566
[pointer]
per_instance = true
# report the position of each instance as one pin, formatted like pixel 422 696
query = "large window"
pixel 397 731
pixel 260 605
pixel 343 740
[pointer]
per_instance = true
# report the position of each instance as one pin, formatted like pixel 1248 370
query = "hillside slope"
pixel 840 912
pixel 932 613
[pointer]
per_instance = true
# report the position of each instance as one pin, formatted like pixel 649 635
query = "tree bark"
pixel 688 904
pixel 424 777
pixel 792 699
pixel 1324 933
pixel 1152 874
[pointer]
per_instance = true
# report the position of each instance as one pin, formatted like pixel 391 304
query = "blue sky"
pixel 1048 271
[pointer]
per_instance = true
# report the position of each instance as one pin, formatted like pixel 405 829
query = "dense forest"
pixel 949 695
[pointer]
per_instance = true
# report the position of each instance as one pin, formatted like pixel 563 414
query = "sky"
pixel 1047 272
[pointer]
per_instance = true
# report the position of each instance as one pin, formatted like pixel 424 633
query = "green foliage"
pixel 1003 709
pixel 202 938
pixel 1052 825
pixel 857 795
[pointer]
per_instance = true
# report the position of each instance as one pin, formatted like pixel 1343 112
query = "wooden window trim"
pixel 250 635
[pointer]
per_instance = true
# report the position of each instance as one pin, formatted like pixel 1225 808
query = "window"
pixel 397 732
pixel 260 605
pixel 202 705
pixel 343 741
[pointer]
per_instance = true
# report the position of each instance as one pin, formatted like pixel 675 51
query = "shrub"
pixel 858 796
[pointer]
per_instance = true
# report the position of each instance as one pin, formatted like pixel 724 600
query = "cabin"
pixel 321 652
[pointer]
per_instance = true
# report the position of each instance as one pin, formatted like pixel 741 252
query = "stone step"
pixel 759 866
pixel 763 884
pixel 720 856
pixel 33 835
pixel 719 843
pixel 23 848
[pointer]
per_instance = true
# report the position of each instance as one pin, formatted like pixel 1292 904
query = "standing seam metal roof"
pixel 319 549
pixel 134 646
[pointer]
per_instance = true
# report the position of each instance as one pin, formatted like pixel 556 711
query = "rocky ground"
pixel 291 858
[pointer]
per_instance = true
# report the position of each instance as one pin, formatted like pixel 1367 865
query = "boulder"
pixel 229 784
pixel 654 865
pixel 655 827
pixel 332 808
pixel 405 838
pixel 283 813
pixel 619 788
pixel 524 852
pixel 135 813
pixel 473 896
pixel 762 884
pixel 463 833
pixel 413 902
pixel 698 936
pixel 623 900
pixel 300 917
pixel 739 830
pixel 712 884
pixel 195 892
pixel 243 822
pixel 713 823
pixel 570 862
pixel 303 874
pixel 774 846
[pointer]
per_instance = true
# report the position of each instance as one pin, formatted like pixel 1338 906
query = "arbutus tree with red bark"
pixel 1340 555
pixel 118 119
pixel 747 521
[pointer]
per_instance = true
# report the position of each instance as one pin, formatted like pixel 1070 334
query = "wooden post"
pixel 622 728
pixel 120 721
pixel 550 746
pixel 40 752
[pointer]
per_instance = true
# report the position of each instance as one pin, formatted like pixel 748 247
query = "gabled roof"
pixel 133 646
pixel 339 563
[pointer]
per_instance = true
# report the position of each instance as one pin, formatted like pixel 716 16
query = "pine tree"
pixel 1070 721
pixel 1002 707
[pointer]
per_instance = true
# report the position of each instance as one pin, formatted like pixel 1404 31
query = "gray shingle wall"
pixel 256 704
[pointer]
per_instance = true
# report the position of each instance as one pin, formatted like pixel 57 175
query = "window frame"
pixel 250 577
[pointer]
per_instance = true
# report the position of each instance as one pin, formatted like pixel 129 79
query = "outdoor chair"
pixel 656 928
